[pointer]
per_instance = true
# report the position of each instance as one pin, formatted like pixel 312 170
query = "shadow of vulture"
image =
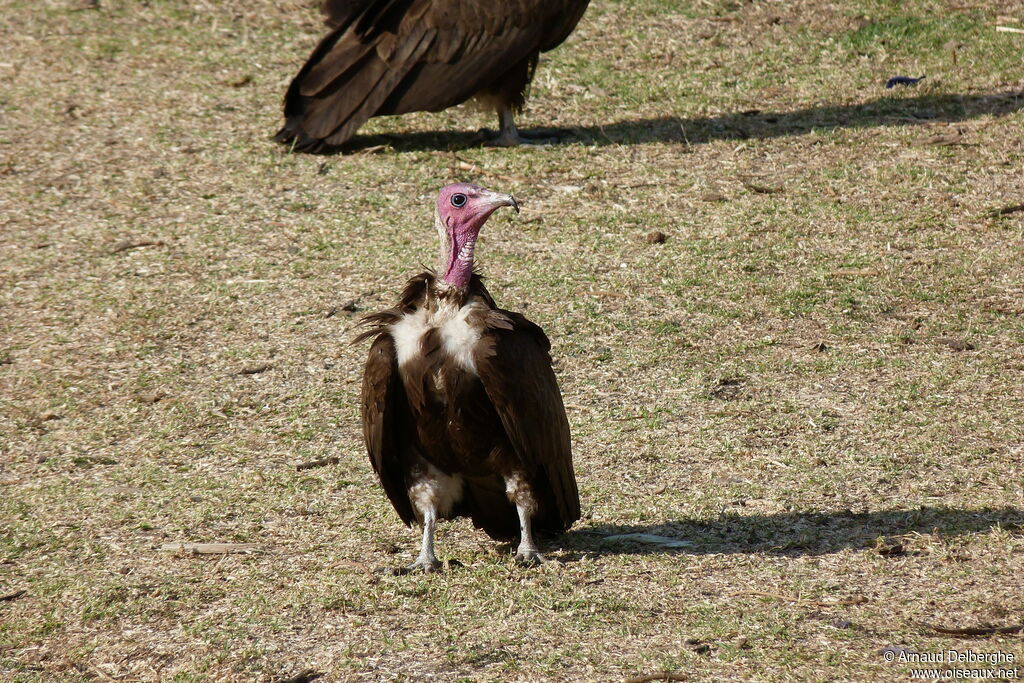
pixel 793 533
pixel 752 124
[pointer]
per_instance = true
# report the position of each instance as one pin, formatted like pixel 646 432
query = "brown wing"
pixel 515 369
pixel 386 423
pixel 397 56
pixel 341 12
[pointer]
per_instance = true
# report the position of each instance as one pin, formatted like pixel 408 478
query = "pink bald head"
pixel 462 209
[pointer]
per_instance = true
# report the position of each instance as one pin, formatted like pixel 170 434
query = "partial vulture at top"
pixel 396 56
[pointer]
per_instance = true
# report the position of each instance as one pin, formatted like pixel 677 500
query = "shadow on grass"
pixel 885 111
pixel 813 533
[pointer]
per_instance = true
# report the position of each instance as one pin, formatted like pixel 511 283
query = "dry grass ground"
pixel 817 378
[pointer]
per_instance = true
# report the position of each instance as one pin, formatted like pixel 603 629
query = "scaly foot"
pixel 530 557
pixel 422 564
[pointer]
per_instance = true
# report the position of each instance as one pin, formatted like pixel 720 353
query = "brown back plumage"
pixel 510 416
pixel 396 56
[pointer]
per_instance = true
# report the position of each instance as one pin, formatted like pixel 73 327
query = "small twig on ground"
pixel 605 292
pixel 466 165
pixel 1009 29
pixel 663 676
pixel 1006 210
pixel 125 245
pixel 855 272
pixel 255 369
pixel 12 596
pixel 209 548
pixel 762 189
pixel 845 602
pixel 320 462
pixel 975 631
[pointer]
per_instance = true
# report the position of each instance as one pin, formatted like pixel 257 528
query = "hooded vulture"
pixel 462 415
pixel 396 56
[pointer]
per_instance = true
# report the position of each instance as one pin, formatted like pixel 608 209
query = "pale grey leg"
pixel 432 494
pixel 527 553
pixel 427 561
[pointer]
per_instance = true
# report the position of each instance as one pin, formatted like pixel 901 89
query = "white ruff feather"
pixel 458 338
pixel 407 333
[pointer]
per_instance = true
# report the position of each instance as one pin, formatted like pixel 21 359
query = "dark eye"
pixel 458 200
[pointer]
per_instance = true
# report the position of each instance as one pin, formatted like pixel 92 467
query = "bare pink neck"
pixel 457 247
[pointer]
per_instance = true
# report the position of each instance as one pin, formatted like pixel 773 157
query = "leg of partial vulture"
pixel 509 135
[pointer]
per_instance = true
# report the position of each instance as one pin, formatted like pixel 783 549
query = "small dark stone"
pixel 655 237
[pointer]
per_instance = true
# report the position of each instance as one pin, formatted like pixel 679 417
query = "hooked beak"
pixel 497 199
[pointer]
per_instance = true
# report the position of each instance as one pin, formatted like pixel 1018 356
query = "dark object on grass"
pixel 975 631
pixel 397 56
pixel 1006 210
pixel 903 80
pixel 660 676
pixel 462 415
pixel 320 462
pixel 956 344
pixel 307 676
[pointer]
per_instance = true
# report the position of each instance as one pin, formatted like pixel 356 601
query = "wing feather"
pixel 515 368
pixel 386 422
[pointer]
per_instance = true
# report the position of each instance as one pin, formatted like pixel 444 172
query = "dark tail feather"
pixel 342 95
